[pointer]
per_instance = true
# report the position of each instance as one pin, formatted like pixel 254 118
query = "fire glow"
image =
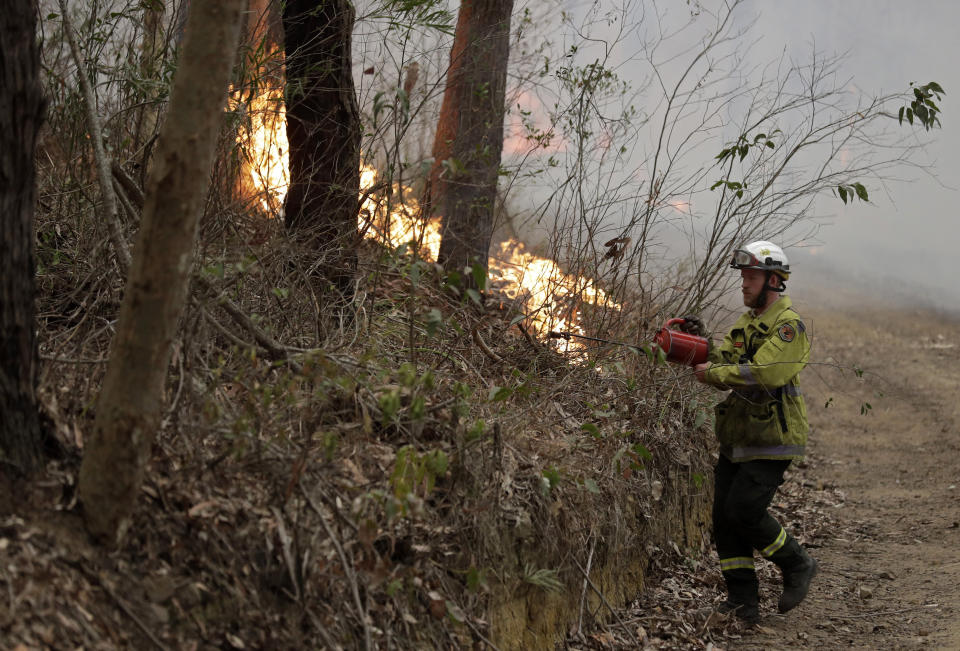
pixel 538 287
pixel 262 140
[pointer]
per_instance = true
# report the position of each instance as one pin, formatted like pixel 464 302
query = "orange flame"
pixel 550 298
pixel 262 140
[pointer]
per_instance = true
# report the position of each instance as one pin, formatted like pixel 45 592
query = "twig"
pixel 287 554
pixel 176 396
pixel 348 569
pixel 99 154
pixel 583 592
pixel 484 347
pixel 480 635
pixel 606 603
pixel 275 350
pixel 70 360
pixel 132 213
pixel 333 507
pixel 526 335
pixel 237 341
pixel 317 624
pixel 95 577
pixel 881 613
pixel 128 184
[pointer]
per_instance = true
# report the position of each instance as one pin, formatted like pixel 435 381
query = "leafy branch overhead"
pixel 922 107
pixel 851 190
pixel 742 147
pixel 739 150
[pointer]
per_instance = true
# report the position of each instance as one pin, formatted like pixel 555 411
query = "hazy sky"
pixel 914 233
pixel 906 236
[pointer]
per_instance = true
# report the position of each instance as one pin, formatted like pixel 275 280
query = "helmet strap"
pixel 762 299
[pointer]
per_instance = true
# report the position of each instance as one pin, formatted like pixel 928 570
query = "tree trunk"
pixel 129 408
pixel 21 114
pixel 323 131
pixel 469 138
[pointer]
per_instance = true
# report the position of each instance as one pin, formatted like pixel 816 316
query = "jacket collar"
pixel 770 316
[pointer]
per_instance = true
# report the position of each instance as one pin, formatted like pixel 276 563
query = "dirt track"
pixel 888 479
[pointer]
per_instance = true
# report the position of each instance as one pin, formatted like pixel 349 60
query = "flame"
pixel 395 219
pixel 550 298
pixel 262 140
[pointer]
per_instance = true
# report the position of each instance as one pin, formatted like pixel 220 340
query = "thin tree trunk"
pixel 150 48
pixel 129 408
pixel 323 131
pixel 21 114
pixel 469 140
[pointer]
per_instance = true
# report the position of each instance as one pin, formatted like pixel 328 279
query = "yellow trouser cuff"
pixel 736 563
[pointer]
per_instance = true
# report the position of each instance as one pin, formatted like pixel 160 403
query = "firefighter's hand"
pixel 699 371
pixel 694 325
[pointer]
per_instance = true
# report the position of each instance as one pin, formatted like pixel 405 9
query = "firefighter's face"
pixel 753 285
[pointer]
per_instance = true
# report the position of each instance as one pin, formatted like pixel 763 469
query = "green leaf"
pixel 641 451
pixel 498 394
pixel 700 419
pixel 475 579
pixel 861 191
pixel 591 429
pixel 215 270
pixel 552 475
pixel 433 319
pixel 479 276
pixel 591 486
pixel 843 193
pixel 517 319
pixel 280 292
pixel 475 297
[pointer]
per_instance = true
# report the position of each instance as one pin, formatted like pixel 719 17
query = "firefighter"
pixel 761 426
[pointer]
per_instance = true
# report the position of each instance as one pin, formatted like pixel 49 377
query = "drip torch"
pixel 680 347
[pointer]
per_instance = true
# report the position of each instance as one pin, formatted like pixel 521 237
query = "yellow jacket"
pixel 764 416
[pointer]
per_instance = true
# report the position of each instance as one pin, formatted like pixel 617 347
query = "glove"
pixel 694 326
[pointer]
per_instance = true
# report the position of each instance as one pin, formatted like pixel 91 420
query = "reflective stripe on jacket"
pixel 764 416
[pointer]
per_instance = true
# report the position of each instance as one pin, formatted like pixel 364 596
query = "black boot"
pixel 798 570
pixel 748 613
pixel 743 595
pixel 796 583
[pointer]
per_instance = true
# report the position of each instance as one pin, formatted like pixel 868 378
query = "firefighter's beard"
pixel 755 300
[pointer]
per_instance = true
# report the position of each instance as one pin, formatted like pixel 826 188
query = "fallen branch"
pixel 128 184
pixel 275 350
pixel 95 578
pixel 477 339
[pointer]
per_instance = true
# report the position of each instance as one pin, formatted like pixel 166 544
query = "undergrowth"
pixel 403 461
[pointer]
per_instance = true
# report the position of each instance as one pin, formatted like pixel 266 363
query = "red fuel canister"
pixel 681 347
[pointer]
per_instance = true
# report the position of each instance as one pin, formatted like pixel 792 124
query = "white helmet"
pixel 763 255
